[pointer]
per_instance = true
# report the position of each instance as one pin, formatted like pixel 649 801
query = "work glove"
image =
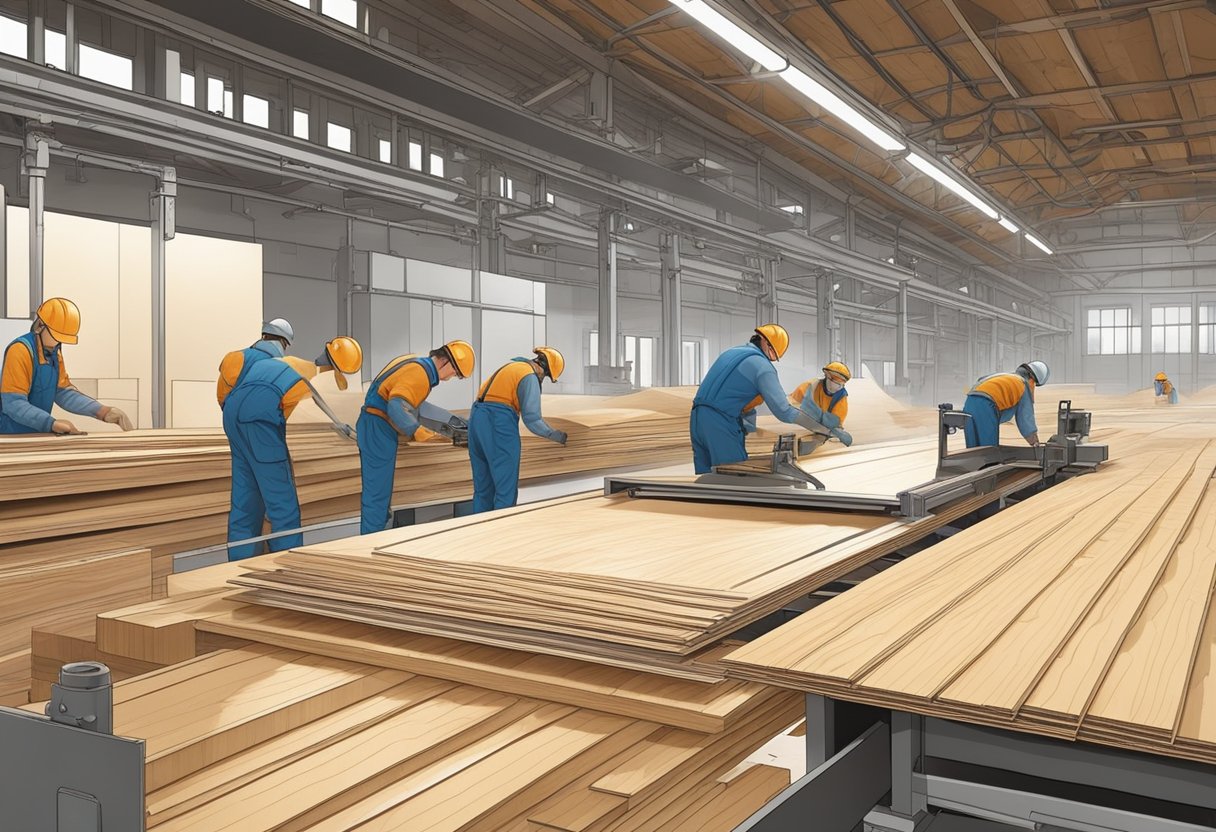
pixel 114 416
pixel 844 436
pixel 559 436
pixel 829 420
pixel 64 427
pixel 424 435
pixel 813 410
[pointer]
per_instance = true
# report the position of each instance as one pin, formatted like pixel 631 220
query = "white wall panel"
pixel 422 278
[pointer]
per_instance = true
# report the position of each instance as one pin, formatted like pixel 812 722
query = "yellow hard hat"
pixel 345 356
pixel 460 353
pixel 552 360
pixel 1161 377
pixel 62 318
pixel 839 368
pixel 776 336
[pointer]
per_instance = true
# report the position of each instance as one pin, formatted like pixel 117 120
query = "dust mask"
pixel 833 387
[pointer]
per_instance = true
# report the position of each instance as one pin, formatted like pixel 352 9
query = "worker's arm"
pixel 15 383
pixel 749 421
pixel 528 391
pixel 72 400
pixel 409 391
pixel 230 371
pixel 764 376
pixel 298 391
pixel 1024 414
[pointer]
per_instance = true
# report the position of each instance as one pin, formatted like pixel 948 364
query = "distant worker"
pixel 390 411
pixel 513 392
pixel 1164 389
pixel 828 403
pixel 735 379
pixel 255 421
pixel 1000 397
pixel 35 377
pixel 277 336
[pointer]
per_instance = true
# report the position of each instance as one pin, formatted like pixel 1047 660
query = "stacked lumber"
pixel 66 594
pixel 642 584
pixel 342 730
pixel 1084 612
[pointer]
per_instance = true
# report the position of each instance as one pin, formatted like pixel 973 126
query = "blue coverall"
pixel 996 399
pixel 263 484
pixel 494 447
pixel 25 402
pixel 235 363
pixel 716 424
pixel 383 420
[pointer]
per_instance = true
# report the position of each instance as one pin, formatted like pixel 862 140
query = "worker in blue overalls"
pixel 740 374
pixel 390 411
pixel 1000 397
pixel 35 378
pixel 494 447
pixel 255 422
pixel 277 336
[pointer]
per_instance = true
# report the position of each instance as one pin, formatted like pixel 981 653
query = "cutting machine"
pixel 776 479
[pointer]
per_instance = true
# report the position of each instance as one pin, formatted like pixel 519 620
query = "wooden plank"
pixel 159 632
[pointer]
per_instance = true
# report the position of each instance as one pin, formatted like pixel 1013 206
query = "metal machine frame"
pixel 775 479
pixel 1008 779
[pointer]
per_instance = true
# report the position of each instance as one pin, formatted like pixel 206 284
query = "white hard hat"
pixel 281 328
pixel 1039 370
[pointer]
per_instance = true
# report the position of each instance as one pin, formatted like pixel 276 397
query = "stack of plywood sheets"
pixel 337 732
pixel 634 583
pixel 1084 612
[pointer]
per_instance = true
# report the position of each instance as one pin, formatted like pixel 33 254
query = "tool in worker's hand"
pixel 443 423
pixel 337 424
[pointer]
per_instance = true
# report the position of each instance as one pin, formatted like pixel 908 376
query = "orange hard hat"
pixel 776 336
pixel 346 357
pixel 553 361
pixel 460 354
pixel 62 318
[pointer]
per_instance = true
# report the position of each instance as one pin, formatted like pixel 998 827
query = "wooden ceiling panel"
pixel 932 18
pixel 1144 106
pixel 1122 53
pixel 1204 93
pixel 876 23
pixel 989 13
pixel 1040 62
pixel 1199 27
pixel 699 51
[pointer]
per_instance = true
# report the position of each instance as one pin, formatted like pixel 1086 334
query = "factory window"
pixel 888 374
pixel 796 210
pixel 299 124
pixel 506 188
pixel 639 352
pixel 56 46
pixel 12 37
pixel 415 155
pixel 386 150
pixel 255 111
pixel 343 11
pixel 436 164
pixel 1110 331
pixel 187 89
pixel 338 137
pixel 691 371
pixel 219 98
pixel 1171 329
pixel 549 198
pixel 305 3
pixel 1207 328
pixel 106 67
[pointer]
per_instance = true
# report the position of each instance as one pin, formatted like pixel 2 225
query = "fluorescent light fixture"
pixel 835 105
pixel 1008 226
pixel 1038 243
pixel 953 185
pixel 738 38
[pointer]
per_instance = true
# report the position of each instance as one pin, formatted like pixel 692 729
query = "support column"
pixel 36 161
pixel 345 274
pixel 766 303
pixel 491 243
pixel 820 730
pixel 909 809
pixel 164 228
pixel 901 337
pixel 3 250
pixel 671 343
pixel 825 333
pixel 608 320
pixel 1194 343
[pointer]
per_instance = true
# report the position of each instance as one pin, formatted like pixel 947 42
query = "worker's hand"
pixel 559 436
pixel 844 436
pixel 424 435
pixel 114 416
pixel 63 426
pixel 1033 440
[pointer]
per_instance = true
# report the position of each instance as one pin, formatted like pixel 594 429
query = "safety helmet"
pixel 551 360
pixel 62 318
pixel 279 328
pixel 839 368
pixel 1161 377
pixel 460 354
pixel 1037 370
pixel 345 356
pixel 776 336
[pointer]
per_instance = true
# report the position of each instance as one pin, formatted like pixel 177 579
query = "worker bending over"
pixel 1164 389
pixel 494 447
pixel 1000 397
pixel 390 411
pixel 35 377
pixel 828 402
pixel 255 421
pixel 277 336
pixel 737 377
